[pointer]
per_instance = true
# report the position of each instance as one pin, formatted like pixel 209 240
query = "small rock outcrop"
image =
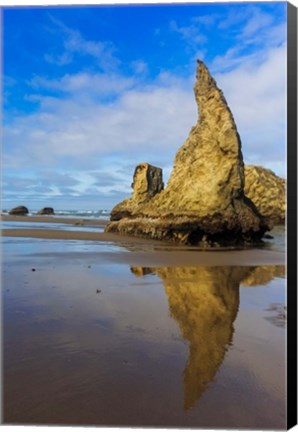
pixel 46 211
pixel 267 191
pixel 204 202
pixel 147 182
pixel 19 211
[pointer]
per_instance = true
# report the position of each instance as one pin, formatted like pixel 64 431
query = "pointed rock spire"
pixel 204 200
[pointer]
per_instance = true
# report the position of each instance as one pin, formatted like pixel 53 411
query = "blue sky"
pixel 90 92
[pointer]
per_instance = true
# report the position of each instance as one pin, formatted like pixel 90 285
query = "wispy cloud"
pixel 150 121
pixel 251 31
pixel 256 23
pixel 256 95
pixel 94 84
pixel 140 120
pixel 206 20
pixel 57 185
pixel 190 33
pixel 74 44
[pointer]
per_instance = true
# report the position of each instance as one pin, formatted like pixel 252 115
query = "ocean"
pixel 102 214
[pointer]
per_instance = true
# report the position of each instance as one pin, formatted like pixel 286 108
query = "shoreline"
pixel 138 250
pixel 54 219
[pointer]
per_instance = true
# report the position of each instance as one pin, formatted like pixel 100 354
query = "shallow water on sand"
pixel 48 225
pixel 88 341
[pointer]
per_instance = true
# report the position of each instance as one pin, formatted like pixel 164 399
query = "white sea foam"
pixel 103 214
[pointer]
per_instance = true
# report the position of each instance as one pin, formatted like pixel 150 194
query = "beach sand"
pixel 143 251
pixel 101 329
pixel 54 219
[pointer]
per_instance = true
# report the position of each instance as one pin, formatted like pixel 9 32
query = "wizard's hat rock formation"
pixel 204 200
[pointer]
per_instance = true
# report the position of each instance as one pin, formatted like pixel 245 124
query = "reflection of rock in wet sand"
pixel 204 301
pixel 263 275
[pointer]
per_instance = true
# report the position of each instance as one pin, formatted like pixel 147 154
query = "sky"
pixel 90 92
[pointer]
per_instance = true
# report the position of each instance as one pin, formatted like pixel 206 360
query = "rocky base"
pixel 202 233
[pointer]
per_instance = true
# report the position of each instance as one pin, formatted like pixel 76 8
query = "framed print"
pixel 149 215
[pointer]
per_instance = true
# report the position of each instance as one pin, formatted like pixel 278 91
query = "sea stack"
pixel 46 211
pixel 19 211
pixel 204 202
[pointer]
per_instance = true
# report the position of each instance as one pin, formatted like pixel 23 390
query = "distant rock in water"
pixel 19 211
pixel 147 182
pixel 46 211
pixel 268 193
pixel 204 202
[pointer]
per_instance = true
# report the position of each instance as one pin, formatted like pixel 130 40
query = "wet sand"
pixel 143 251
pixel 101 329
pixel 54 219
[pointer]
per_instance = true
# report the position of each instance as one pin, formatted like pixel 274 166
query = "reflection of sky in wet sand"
pixel 90 343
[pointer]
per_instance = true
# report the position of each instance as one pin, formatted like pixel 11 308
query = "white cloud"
pixel 151 119
pixel 146 123
pixel 59 59
pixel 94 84
pixel 257 97
pixel 257 32
pixel 206 20
pixel 256 23
pixel 191 33
pixel 73 43
pixel 139 67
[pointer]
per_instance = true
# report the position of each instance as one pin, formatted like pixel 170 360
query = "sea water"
pixel 99 214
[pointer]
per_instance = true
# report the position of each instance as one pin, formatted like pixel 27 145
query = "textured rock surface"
pixel 267 191
pixel 20 210
pixel 147 182
pixel 204 200
pixel 46 211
